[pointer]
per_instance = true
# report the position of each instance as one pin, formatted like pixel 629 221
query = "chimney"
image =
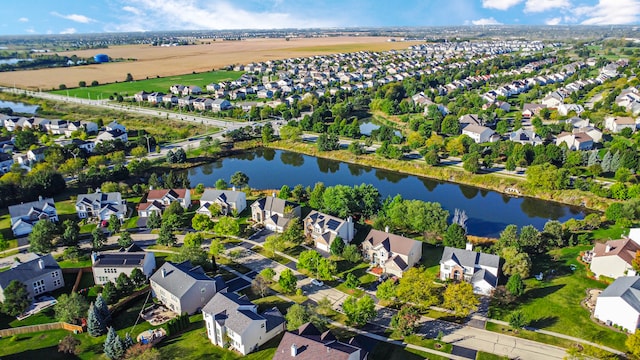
pixel 386 229
pixel 469 246
pixel 94 257
pixel 294 350
pixel 39 197
pixel 273 194
pixel 233 188
pixel 41 264
pixel 607 248
pixel 164 273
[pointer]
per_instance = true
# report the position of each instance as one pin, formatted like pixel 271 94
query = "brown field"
pixel 167 61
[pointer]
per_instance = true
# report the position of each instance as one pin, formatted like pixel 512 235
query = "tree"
pixel 285 192
pixel 472 163
pixel 129 77
pixel 287 281
pixel 216 247
pixel 351 254
pixel 517 320
pixel 455 237
pixel 268 274
pixel 221 184
pixel 142 352
pixel 293 233
pixel 109 293
pixel 70 233
pixel 227 226
pixel 327 268
pixel 515 262
pixel 125 240
pixel 531 239
pixel 103 310
pixel 154 221
pixel 166 236
pixel 515 285
pixel 359 311
pixel 352 281
pixel 509 236
pixel 432 158
pixel 406 320
pixel 70 308
pixel 309 259
pixel 260 285
pixel 16 298
pixel 267 133
pixel 124 284
pixel 337 246
pixel 201 222
pixel 417 287
pixel 4 243
pixel 296 316
pixel 193 239
pixel 113 346
pixel 95 327
pixel 239 179
pixel 460 298
pixel 138 277
pixel 69 345
pixel 633 343
pixel 98 238
pixel 386 290
pixel 42 237
pixel 176 211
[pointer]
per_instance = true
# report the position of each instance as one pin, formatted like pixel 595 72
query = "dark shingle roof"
pixel 469 258
pixel 24 272
pixel 627 288
pixel 179 278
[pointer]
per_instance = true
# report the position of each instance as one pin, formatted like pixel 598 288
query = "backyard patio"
pixel 157 314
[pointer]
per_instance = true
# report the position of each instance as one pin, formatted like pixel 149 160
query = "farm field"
pixel 169 61
pixel 149 85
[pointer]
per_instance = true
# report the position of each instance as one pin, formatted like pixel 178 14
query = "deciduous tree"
pixel 125 240
pixel 460 298
pixel 386 290
pixel 70 308
pixel 417 287
pixel 406 320
pixel 227 226
pixel 515 285
pixel 287 281
pixel 16 298
pixel 41 239
pixel 359 311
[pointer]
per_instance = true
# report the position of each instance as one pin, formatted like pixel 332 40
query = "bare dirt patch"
pixel 153 61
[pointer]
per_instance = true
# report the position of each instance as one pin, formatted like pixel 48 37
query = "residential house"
pixel 88 127
pixel 115 125
pixel 191 90
pixel 155 97
pixel 158 200
pixel 233 321
pixel 617 124
pixel 395 254
pixel 229 201
pixel 220 105
pixel 6 161
pixel 100 206
pixel 170 99
pixel 24 216
pixel 530 110
pixel 619 303
pixel 176 89
pixel 184 288
pixel 35 123
pixel 553 100
pixel 202 104
pixel 523 136
pixel 470 119
pixel 41 274
pixel 108 265
pixel 308 343
pixel 112 135
pixel 57 127
pixel 324 229
pixel 575 141
pixel 565 109
pixel 36 155
pixel 614 258
pixel 141 96
pixel 274 213
pixel 479 269
pixel 85 145
pixel 479 134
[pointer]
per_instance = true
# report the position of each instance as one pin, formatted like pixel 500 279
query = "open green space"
pixel 554 303
pixel 481 355
pixel 149 85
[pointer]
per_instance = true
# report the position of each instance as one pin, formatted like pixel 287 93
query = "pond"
pixel 19 107
pixel 489 212
pixel 12 61
pixel 367 126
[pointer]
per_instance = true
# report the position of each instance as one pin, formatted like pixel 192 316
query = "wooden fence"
pixel 41 327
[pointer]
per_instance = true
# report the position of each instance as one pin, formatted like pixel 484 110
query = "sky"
pixel 93 16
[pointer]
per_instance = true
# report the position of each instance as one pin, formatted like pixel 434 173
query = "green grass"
pixel 554 303
pixel 431 256
pixel 611 232
pixel 481 355
pixel 150 85
pixel 131 223
pixel 74 263
pixel 87 228
pixel 266 253
pixel 383 351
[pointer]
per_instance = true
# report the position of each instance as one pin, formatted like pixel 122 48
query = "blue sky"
pixel 73 16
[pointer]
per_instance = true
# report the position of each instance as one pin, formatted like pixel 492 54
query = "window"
pixel 55 274
pixel 38 287
pixel 57 282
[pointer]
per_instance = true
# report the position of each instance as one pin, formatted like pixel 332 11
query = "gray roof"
pixel 100 197
pixel 627 288
pixel 179 278
pixel 26 271
pixel 324 221
pixel 23 209
pixel 469 258
pixel 237 313
pixel 274 204
pixel 228 196
pixel 486 276
pixel 120 258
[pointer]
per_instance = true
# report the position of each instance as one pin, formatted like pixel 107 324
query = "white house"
pixel 274 213
pixel 160 199
pixel 6 161
pixel 40 274
pixel 108 265
pixel 479 269
pixel 575 141
pixel 220 104
pixel 617 124
pixel 112 135
pixel 614 258
pixel 184 288
pixel 24 216
pixel 479 134
pixel 324 229
pixel 619 303
pixel 100 206
pixel 228 201
pixel 232 320
pixel 393 253
pixel 523 137
pixel 36 155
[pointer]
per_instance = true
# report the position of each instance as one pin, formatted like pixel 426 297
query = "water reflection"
pixel 469 192
pixel 291 158
pixel 390 176
pixel 19 107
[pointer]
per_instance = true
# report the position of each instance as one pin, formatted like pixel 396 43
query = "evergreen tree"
pixel 593 158
pixel 606 162
pixel 95 327
pixel 113 346
pixel 455 237
pixel 154 221
pixel 337 246
pixel 103 310
pixel 615 162
pixel 109 292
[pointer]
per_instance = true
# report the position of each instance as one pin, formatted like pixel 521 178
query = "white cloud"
pixel 610 12
pixel 486 21
pixel 68 31
pixel 74 17
pixel 201 14
pixel 132 10
pixel 534 6
pixel 30 31
pixel 553 21
pixel 500 4
pixel 23 19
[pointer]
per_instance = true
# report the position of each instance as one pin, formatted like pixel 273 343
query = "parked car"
pixel 316 282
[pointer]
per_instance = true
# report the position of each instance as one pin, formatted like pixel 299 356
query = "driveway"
pixel 260 236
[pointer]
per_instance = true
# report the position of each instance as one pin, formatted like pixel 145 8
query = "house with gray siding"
pixel 40 275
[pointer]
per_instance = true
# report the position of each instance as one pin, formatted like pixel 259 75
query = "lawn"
pixel 554 303
pixel 150 85
pixel 481 355
pixel 431 256
pixel 383 351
